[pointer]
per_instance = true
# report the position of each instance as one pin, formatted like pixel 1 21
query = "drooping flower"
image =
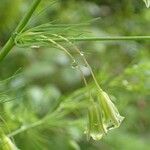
pixel 96 128
pixel 147 3
pixel 103 116
pixel 111 117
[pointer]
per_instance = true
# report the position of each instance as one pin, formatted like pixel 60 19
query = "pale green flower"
pixel 147 3
pixel 110 114
pixel 96 128
pixel 103 116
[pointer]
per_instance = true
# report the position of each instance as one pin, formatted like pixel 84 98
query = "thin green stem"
pixel 84 59
pixel 109 38
pixel 25 128
pixel 10 43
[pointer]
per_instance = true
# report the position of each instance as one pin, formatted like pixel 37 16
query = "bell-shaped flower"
pixel 110 115
pixel 96 129
pixel 103 116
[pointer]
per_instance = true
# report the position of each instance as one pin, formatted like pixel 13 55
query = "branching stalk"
pixel 109 38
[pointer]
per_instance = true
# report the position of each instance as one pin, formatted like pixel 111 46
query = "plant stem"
pixel 10 43
pixel 25 128
pixel 109 38
pixel 84 59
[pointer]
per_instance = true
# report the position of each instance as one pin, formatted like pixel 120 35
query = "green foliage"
pixel 44 104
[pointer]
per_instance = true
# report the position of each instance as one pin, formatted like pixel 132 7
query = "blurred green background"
pixel 34 81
